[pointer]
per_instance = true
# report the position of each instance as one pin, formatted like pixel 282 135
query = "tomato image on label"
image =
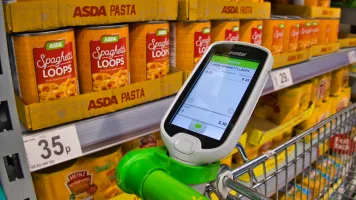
pixel 201 43
pixel 109 62
pixel 55 70
pixel 232 34
pixel 256 35
pixel 157 54
pixel 277 40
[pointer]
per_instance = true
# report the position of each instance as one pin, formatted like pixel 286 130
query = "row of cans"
pixel 283 34
pixel 58 64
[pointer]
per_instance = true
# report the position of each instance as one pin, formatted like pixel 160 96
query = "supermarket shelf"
pixel 314 67
pixel 105 131
pixel 348 16
pixel 102 132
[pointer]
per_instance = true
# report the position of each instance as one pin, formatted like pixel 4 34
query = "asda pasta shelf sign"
pixel 193 10
pixel 347 42
pixel 47 15
pixel 306 11
pixel 291 58
pixel 46 114
pixel 319 50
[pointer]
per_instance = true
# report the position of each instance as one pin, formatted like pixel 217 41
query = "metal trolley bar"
pixel 320 163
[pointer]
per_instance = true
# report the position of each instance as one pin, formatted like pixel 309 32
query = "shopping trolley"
pixel 332 140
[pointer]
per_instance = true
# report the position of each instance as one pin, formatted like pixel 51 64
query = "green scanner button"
pixel 197 126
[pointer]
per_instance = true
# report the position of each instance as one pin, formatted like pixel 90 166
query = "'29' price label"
pixel 281 78
pixel 52 147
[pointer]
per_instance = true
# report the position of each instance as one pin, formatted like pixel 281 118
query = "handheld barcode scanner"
pixel 202 126
pixel 208 115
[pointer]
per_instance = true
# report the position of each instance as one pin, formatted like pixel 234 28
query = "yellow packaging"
pixel 325 31
pixel 149 50
pixel 339 80
pixel 346 77
pixel 192 40
pixel 103 57
pixel 319 114
pixel 285 104
pixel 334 30
pixel 225 30
pixel 315 179
pixel 324 3
pixel 90 177
pixel 313 12
pixel 251 31
pixel 273 35
pixel 228 159
pixel 44 65
pixel 314 39
pixel 282 138
pixel 302 192
pixel 195 10
pixel 306 97
pixel 341 101
pixel 153 140
pixel 305 31
pixel 291 35
pixel 262 109
pixel 31 16
pixel 96 103
pixel 322 88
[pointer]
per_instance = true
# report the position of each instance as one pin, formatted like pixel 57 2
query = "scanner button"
pixel 185 145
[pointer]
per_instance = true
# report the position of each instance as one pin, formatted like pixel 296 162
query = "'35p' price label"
pixel 281 78
pixel 52 147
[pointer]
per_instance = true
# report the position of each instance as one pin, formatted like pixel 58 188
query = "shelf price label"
pixel 52 147
pixel 281 78
pixel 352 57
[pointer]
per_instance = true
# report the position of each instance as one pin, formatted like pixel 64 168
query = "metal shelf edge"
pixel 314 67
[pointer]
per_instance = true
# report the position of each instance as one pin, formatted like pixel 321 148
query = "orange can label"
pixel 277 40
pixel 256 35
pixel 55 73
pixel 294 35
pixel 201 43
pixel 304 35
pixel 157 54
pixel 232 34
pixel 314 40
pixel 108 62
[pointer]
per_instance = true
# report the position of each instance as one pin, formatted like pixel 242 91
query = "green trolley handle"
pixel 161 186
pixel 152 175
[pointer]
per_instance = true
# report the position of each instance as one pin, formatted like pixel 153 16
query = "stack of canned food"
pixel 61 63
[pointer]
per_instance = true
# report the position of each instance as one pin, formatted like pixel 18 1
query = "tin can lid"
pixel 42 32
pixel 100 27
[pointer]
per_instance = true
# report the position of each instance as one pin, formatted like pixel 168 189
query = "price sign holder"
pixel 281 78
pixel 51 147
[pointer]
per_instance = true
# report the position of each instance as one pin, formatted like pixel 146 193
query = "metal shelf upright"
pixel 15 177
